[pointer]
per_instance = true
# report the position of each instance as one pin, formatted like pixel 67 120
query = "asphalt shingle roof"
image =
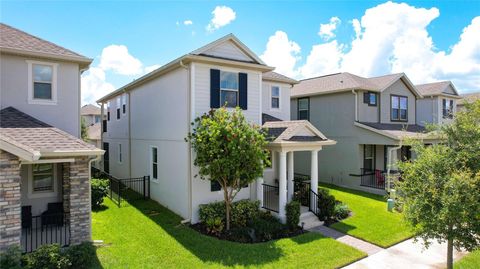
pixel 470 97
pixel 396 127
pixel 434 88
pixel 90 110
pixel 274 76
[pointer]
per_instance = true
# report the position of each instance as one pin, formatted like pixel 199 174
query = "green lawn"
pixel 471 261
pixel 370 221
pixel 146 235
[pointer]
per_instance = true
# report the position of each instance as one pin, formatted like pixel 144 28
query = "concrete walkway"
pixel 407 255
pixel 366 247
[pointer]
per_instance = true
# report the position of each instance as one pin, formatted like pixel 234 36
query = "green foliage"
pixel 11 258
pixel 326 204
pixel 214 225
pixel 341 211
pixel 267 228
pixel 47 257
pixel 242 212
pixel 99 191
pixel 440 191
pixel 84 130
pixel 293 214
pixel 81 256
pixel 229 150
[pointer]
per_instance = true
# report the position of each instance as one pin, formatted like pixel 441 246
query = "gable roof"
pixel 437 88
pixel 469 97
pixel 90 110
pixel 342 82
pixel 30 139
pixel 15 41
pixel 398 131
pixel 288 130
pixel 196 56
pixel 277 77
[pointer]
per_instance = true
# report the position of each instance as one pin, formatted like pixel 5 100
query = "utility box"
pixel 390 204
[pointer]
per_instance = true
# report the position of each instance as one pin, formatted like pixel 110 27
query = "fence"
pixel 270 197
pixel 372 178
pixel 45 229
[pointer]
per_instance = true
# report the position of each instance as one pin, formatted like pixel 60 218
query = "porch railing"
pixel 45 229
pixel 313 205
pixel 270 197
pixel 372 178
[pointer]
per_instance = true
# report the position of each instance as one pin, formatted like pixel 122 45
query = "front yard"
pixel 370 221
pixel 471 261
pixel 146 235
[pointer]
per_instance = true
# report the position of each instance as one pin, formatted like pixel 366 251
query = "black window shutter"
pixel 215 186
pixel 243 91
pixel 214 88
pixel 366 97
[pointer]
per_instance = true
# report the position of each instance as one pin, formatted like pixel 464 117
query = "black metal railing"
pixel 301 191
pixel 313 205
pixel 372 178
pixel 270 197
pixel 45 229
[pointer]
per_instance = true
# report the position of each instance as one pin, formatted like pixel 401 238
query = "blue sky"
pixel 285 34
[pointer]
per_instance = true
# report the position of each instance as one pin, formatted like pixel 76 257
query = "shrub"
pixel 81 256
pixel 11 258
pixel 47 257
pixel 242 211
pixel 214 225
pixel 326 204
pixel 99 191
pixel 267 228
pixel 293 214
pixel 341 211
pixel 242 235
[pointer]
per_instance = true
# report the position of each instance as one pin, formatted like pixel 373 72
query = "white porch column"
pixel 282 185
pixel 290 176
pixel 314 175
pixel 260 190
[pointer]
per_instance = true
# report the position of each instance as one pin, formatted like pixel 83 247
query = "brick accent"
pixel 66 187
pixel 10 207
pixel 79 201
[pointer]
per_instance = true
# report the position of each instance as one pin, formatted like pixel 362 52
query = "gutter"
pixel 356 104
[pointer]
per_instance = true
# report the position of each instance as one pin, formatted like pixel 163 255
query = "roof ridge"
pixel 332 74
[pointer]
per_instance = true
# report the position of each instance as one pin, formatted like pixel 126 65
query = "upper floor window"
pixel 124 103
pixel 447 108
pixel 42 83
pixel 228 89
pixel 108 111
pixel 303 108
pixel 275 97
pixel 370 98
pixel 399 108
pixel 97 118
pixel 118 108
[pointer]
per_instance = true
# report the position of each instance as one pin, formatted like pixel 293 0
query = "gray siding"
pixel 397 88
pixel 283 112
pixel 367 113
pixel 427 110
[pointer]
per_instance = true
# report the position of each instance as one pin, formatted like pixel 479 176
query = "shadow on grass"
pixel 377 197
pixel 95 262
pixel 207 248
pixel 100 208
pixel 342 227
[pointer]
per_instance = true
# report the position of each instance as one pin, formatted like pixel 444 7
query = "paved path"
pixel 366 247
pixel 408 255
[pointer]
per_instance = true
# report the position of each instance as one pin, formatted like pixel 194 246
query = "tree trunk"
pixel 227 208
pixel 450 254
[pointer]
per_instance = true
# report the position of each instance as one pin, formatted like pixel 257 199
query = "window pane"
pixel 303 103
pixel 155 172
pixel 303 115
pixel 403 103
pixel 275 102
pixel 228 97
pixel 43 168
pixel 403 114
pixel 395 102
pixel 42 73
pixel 42 182
pixel 395 114
pixel 228 80
pixel 373 99
pixel 154 155
pixel 275 92
pixel 368 151
pixel 42 90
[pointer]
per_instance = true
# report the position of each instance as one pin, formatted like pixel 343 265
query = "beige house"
pixel 44 166
pixel 149 118
pixel 439 102
pixel 469 97
pixel 92 117
pixel 91 114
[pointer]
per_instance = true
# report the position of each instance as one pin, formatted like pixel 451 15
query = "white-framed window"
pixel 228 89
pixel 42 180
pixel 119 100
pixel 42 83
pixel 275 94
pixel 399 108
pixel 108 110
pixel 303 107
pixel 447 108
pixel 154 163
pixel 120 157
pixel 124 103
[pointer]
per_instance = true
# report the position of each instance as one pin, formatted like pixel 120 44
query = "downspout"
pixel 102 115
pixel 356 104
pixel 190 112
pixel 129 135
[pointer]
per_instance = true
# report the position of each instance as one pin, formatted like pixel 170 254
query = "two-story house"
pixel 439 102
pixel 368 117
pixel 91 117
pixel 149 118
pixel 44 166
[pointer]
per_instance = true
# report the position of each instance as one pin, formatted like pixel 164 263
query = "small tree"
pixel 83 129
pixel 440 191
pixel 229 150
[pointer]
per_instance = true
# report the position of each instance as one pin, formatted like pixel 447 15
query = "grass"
pixel 370 221
pixel 471 261
pixel 144 234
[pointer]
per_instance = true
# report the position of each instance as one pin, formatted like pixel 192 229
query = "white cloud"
pixel 327 30
pixel 118 59
pixel 282 53
pixel 323 59
pixel 222 15
pixel 94 85
pixel 187 22
pixel 357 28
pixel 150 68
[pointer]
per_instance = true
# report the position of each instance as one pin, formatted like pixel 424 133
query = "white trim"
pixel 279 98
pixel 42 194
pixel 376 131
pixel 18 151
pixel 150 164
pixel 34 101
pixel 69 160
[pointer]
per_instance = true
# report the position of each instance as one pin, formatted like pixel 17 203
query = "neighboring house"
pixel 469 97
pixel 91 114
pixel 368 117
pixel 44 166
pixel 149 119
pixel 439 102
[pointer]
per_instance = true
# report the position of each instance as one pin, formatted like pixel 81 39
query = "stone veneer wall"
pixel 10 205
pixel 79 201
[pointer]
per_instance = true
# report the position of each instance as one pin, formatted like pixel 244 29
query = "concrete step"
pixel 310 220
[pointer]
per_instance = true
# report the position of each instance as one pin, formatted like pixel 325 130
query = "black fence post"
pixel 144 182
pixel 119 193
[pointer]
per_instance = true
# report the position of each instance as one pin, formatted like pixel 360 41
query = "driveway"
pixel 407 255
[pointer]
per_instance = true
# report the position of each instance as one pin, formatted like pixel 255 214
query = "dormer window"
pixel 399 108
pixel 370 98
pixel 42 83
pixel 275 93
pixel 228 89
